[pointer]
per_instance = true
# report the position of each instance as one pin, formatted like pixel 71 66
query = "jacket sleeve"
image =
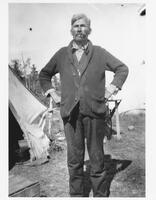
pixel 119 68
pixel 47 72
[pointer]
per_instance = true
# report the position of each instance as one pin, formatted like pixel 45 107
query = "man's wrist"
pixel 47 93
pixel 112 88
pixel 52 93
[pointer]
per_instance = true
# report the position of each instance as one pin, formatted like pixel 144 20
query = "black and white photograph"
pixel 77 99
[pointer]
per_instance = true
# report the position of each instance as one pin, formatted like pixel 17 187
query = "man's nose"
pixel 79 28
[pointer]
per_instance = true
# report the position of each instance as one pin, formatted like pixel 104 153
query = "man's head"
pixel 80 28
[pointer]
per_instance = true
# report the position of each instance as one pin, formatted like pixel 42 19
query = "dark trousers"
pixel 76 130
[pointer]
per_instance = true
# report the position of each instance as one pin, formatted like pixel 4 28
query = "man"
pixel 82 69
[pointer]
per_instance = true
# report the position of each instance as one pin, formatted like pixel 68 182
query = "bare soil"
pixel 128 154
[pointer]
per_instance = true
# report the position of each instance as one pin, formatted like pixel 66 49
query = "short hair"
pixel 80 16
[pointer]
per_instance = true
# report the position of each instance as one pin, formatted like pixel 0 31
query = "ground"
pixel 128 181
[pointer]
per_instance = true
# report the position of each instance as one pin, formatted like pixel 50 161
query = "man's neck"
pixel 81 43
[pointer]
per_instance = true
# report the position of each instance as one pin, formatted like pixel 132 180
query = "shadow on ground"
pixel 112 167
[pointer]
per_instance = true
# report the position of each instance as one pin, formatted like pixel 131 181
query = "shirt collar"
pixel 75 47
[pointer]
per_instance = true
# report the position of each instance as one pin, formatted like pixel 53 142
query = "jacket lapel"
pixel 89 56
pixel 71 59
pixel 70 53
pixel 89 53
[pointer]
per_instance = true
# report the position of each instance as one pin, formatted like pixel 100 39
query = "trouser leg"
pixel 75 155
pixel 94 130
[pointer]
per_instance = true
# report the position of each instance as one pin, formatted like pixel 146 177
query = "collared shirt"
pixel 79 50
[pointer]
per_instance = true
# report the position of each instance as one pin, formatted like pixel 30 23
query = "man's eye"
pixel 76 26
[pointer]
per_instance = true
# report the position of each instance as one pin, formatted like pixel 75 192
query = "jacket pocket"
pixel 98 105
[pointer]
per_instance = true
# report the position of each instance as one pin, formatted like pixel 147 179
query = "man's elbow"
pixel 43 75
pixel 44 78
pixel 125 71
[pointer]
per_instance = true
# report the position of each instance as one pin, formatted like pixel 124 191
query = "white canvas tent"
pixel 26 108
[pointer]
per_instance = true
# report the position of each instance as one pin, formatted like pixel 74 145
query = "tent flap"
pixel 26 108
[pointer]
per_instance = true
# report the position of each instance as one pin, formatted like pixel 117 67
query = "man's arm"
pixel 45 76
pixel 47 72
pixel 120 74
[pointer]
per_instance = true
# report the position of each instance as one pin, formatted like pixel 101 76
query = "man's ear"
pixel 89 31
pixel 71 31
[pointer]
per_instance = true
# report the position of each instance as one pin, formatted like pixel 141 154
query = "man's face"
pixel 80 30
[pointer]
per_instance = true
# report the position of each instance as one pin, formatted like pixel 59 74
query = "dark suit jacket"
pixel 89 88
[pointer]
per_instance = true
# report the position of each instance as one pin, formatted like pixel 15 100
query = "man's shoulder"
pixel 98 48
pixel 62 49
pixel 60 52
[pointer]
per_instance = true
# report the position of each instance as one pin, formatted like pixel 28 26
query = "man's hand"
pixel 54 95
pixel 111 90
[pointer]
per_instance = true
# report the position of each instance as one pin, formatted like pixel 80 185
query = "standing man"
pixel 82 69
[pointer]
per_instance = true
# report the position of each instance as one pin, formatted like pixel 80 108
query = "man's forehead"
pixel 80 21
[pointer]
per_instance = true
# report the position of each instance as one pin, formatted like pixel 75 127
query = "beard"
pixel 80 37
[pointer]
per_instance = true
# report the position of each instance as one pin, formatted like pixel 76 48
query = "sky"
pixel 116 27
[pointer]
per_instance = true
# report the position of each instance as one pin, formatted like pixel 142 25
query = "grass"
pixel 130 182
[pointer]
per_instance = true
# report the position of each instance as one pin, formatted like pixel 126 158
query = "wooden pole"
pixel 50 115
pixel 117 123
